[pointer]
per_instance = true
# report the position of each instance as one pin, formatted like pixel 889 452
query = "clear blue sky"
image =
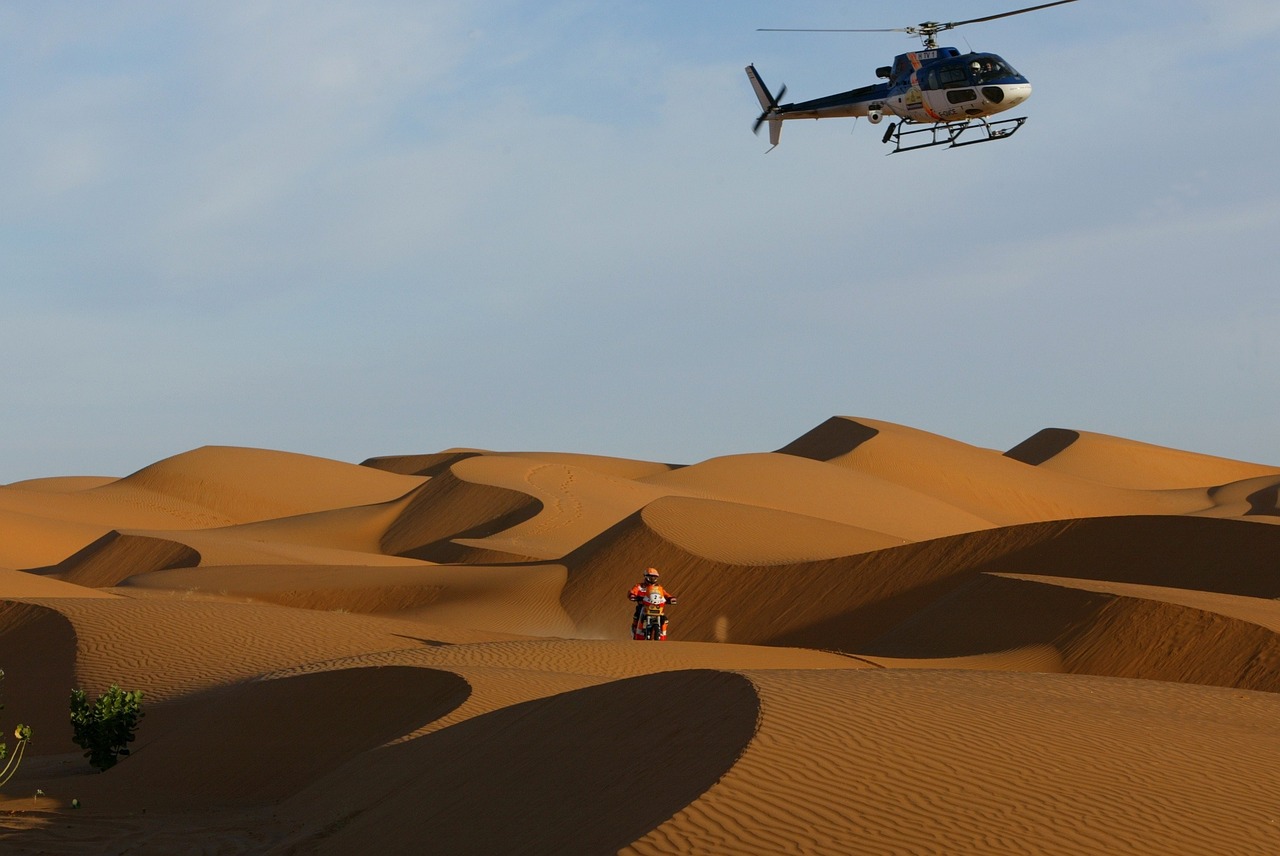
pixel 360 228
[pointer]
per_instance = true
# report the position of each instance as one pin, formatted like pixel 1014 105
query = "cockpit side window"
pixel 952 75
pixel 990 68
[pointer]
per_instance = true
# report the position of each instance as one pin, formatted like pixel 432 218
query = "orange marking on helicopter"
pixel 919 91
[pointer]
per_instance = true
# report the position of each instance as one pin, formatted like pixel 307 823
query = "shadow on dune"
pixel 845 603
pixel 836 437
pixel 1094 633
pixel 256 743
pixel 1043 446
pixel 115 557
pixel 1265 502
pixel 583 772
pixel 1198 554
pixel 429 465
pixel 988 614
pixel 38 656
pixel 448 507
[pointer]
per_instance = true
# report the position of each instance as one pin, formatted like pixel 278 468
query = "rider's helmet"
pixel 651 576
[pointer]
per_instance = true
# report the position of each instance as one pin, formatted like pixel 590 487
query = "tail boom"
pixel 865 101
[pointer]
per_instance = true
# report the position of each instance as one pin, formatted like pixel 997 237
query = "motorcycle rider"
pixel 639 593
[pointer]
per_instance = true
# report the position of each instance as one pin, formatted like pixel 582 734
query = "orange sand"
pixel 886 642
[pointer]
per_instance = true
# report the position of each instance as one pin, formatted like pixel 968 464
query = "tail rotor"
pixel 768 106
pixel 773 105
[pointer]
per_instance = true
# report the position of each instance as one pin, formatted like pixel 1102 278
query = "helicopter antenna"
pixel 928 30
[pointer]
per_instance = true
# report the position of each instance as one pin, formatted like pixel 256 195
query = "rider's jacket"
pixel 641 591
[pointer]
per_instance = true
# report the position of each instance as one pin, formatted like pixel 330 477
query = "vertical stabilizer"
pixel 769 106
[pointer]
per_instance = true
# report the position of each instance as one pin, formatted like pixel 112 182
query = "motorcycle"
pixel 653 617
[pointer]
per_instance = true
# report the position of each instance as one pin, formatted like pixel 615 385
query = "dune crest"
pixel 241 484
pixel 1130 464
pixel 115 557
pixel 993 486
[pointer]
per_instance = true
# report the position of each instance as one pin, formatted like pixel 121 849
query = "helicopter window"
pixel 990 68
pixel 952 74
pixel 960 96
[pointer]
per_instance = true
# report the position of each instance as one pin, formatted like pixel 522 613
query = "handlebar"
pixel 642 599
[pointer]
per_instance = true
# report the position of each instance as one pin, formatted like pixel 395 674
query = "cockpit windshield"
pixel 985 68
pixel 971 70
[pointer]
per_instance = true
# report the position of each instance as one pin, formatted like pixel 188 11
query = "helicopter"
pixel 950 94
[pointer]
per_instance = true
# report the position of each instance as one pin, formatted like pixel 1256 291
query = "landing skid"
pixel 951 134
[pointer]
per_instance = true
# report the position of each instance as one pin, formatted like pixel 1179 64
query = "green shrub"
pixel 105 728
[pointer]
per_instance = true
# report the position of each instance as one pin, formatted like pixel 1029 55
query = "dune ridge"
pixel 116 556
pixel 1130 464
pixel 886 641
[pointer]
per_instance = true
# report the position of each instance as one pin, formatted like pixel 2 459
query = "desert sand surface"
pixel 886 642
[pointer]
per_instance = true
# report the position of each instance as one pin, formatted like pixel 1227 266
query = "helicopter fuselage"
pixel 940 96
pixel 938 85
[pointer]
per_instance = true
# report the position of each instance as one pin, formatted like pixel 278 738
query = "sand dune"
pixel 1094 631
pixel 508 598
pixel 449 507
pixel 751 535
pixel 844 602
pixel 886 641
pixel 1256 498
pixel 891 762
pixel 574 504
pixel 115 557
pixel 32 540
pixel 256 484
pixel 45 521
pixel 1130 464
pixel 997 487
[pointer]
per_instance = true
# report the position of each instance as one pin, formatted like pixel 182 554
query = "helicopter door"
pixel 948 94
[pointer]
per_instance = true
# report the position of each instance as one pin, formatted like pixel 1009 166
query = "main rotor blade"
pixel 1006 14
pixel 777 30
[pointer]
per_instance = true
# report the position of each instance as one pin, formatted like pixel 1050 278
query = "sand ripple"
pixel 958 762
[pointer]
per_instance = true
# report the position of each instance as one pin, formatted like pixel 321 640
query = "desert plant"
pixel 105 728
pixel 23 735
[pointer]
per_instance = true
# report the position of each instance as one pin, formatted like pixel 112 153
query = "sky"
pixel 351 228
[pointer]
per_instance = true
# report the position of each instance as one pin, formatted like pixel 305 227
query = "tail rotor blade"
pixel 773 105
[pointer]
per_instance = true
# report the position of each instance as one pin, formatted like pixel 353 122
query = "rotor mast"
pixel 928 31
